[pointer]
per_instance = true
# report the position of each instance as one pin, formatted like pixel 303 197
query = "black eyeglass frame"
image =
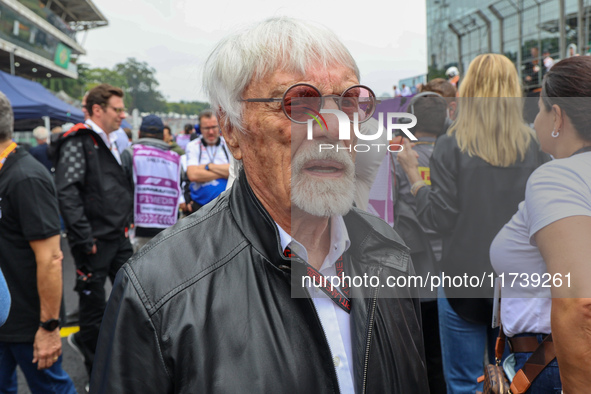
pixel 333 96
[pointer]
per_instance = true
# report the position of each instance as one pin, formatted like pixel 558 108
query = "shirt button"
pixel 336 360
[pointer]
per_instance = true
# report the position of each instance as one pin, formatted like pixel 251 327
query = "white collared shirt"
pixel 109 139
pixel 335 321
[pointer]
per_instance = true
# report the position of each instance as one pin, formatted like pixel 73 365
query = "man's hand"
pixel 408 159
pixel 48 345
pixel 222 170
pixel 93 249
pixel 198 173
pixel 46 348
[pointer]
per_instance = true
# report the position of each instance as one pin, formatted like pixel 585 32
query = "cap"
pixel 452 72
pixel 152 124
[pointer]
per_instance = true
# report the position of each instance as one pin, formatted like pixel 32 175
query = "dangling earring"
pixel 555 133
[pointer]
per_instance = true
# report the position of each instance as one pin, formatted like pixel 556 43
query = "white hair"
pixel 6 118
pixel 276 43
pixel 67 126
pixel 40 133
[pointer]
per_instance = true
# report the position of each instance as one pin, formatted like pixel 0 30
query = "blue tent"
pixel 30 100
pixel 125 124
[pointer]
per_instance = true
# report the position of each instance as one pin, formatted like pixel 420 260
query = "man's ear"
pixel 96 109
pixel 231 135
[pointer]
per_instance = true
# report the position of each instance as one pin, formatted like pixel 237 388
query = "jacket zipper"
pixel 368 342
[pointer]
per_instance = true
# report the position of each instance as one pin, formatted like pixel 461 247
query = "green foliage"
pixel 141 86
pixel 75 88
pixel 435 72
pixel 96 76
pixel 187 107
pixel 138 81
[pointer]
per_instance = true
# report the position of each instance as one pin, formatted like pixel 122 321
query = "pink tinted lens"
pixel 301 101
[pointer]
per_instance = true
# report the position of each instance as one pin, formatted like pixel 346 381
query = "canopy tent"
pixel 125 124
pixel 30 100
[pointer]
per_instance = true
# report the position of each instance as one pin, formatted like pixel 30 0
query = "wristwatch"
pixel 50 325
pixel 207 167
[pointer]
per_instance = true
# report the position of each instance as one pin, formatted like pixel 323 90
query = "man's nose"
pixel 330 127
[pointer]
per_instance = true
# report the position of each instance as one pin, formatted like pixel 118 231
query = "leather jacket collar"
pixel 249 213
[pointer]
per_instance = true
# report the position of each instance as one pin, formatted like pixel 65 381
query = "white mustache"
pixel 312 152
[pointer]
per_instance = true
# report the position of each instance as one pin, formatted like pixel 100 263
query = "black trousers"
pixel 433 347
pixel 92 272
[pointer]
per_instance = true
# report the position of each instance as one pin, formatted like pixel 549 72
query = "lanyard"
pixel 7 152
pixel 204 145
pixel 338 296
pixel 215 152
pixel 582 150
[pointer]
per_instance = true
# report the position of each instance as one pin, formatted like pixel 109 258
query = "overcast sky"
pixel 387 37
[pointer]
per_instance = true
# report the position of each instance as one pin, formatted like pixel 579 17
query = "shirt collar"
pixel 339 242
pixel 99 131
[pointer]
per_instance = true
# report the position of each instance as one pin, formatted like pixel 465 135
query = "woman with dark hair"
pixel 478 170
pixel 549 238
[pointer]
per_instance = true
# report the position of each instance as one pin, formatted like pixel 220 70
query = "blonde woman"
pixel 478 172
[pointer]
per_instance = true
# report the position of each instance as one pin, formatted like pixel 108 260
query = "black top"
pixel 40 153
pixel 467 203
pixel 28 212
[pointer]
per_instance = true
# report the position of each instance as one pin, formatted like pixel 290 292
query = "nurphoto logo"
pixel 345 129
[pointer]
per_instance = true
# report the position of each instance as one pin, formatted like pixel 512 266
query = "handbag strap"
pixel 500 345
pixel 539 360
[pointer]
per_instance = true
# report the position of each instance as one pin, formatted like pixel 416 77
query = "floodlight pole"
pixel 562 30
pixel 457 33
pixel 488 28
pixel 12 70
pixel 580 30
pixel 518 8
pixel 498 15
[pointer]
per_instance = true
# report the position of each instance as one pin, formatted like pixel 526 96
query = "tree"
pixel 96 76
pixel 434 72
pixel 186 108
pixel 141 86
pixel 74 88
pixel 138 81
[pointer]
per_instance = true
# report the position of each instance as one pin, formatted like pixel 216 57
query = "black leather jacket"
pixel 207 307
pixel 96 198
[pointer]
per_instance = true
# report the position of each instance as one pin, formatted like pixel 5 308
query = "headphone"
pixel 416 98
pixel 411 106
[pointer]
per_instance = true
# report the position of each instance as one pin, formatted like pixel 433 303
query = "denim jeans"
pixel 50 380
pixel 4 300
pixel 548 381
pixel 463 346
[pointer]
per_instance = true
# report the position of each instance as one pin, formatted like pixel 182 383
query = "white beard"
pixel 322 197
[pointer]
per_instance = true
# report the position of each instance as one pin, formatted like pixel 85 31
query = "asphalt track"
pixel 72 363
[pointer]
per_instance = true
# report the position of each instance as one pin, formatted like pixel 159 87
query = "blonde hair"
pixel 490 121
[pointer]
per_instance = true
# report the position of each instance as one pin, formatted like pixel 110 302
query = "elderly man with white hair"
pixel 40 151
pixel 220 302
